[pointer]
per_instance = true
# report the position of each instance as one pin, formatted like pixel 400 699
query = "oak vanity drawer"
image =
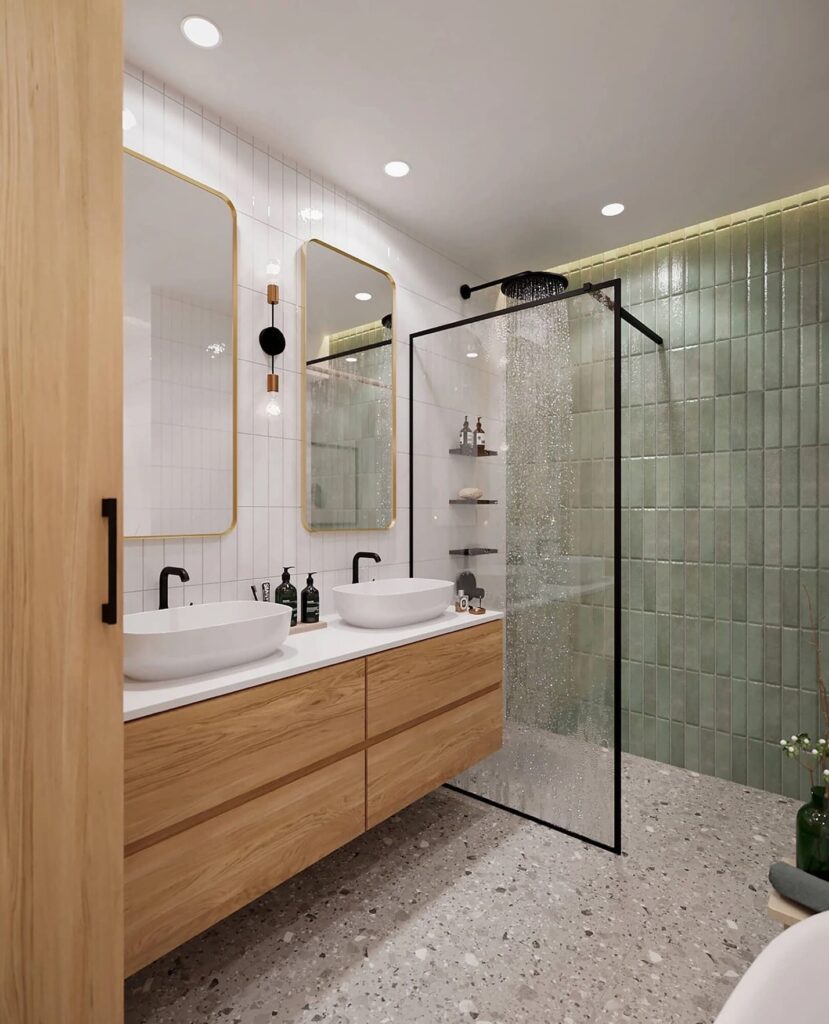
pixel 412 763
pixel 180 764
pixel 178 887
pixel 408 682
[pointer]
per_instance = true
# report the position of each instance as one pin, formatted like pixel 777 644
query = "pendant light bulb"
pixel 273 407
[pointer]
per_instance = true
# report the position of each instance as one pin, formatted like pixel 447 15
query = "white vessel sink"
pixel 200 638
pixel 384 603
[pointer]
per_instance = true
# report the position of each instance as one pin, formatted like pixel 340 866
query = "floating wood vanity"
pixel 227 797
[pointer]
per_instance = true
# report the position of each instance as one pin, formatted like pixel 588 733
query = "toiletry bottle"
pixel 479 440
pixel 285 593
pixel 464 437
pixel 310 601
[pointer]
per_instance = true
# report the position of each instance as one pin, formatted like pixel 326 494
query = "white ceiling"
pixel 520 119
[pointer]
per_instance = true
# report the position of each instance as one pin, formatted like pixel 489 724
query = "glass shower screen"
pixel 542 539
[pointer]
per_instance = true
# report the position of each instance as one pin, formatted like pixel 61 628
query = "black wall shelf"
pixel 473 501
pixel 474 551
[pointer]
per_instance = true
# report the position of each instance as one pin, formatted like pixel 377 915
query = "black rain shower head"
pixel 533 284
pixel 524 287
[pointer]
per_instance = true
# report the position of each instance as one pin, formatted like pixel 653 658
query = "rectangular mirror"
pixel 348 393
pixel 179 354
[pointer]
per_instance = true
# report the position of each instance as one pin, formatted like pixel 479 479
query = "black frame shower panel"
pixel 618 314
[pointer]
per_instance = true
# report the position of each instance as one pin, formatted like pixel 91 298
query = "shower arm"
pixel 634 321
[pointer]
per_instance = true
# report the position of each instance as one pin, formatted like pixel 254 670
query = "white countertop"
pixel 302 652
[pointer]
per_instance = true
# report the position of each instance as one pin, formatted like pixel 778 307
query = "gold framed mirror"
pixel 348 393
pixel 180 354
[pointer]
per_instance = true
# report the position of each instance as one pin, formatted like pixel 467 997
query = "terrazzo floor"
pixel 454 911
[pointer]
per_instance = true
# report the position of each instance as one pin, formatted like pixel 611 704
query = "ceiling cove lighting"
pixel 201 32
pixel 351 359
pixel 613 209
pixel 362 296
pixel 397 168
pixel 128 120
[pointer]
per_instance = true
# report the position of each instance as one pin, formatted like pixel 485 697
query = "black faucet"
pixel 355 563
pixel 166 573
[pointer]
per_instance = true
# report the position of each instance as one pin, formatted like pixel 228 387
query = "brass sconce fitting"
pixel 272 343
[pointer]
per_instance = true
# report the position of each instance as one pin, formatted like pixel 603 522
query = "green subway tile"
pixel 636 743
pixel 771 713
pixel 706 751
pixel 739 309
pixel 707 259
pixel 754 536
pixel 678 744
pixel 773 306
pixel 754 649
pixel 790 236
pixel 739 250
pixel 706 479
pixel 790 656
pixel 789 712
pixel 754 710
pixel 772 377
pixel 754 361
pixel 808 476
pixel 722 755
pixel 677 707
pixel 790 597
pixel 755 485
pixel 692 644
pixel 707 370
pixel 756 246
pixel 790 477
pixel 722 703
pixel 722 586
pixel 649 736
pixel 809 416
pixel 739 608
pixel 771 596
pixel 663 637
pixel 706 700
pixel 649 586
pixel 790 358
pixel 790 778
pixel 663 740
pixel 722 423
pixel 739 755
pixel 722 367
pixel 771 419
pixel 722 255
pixel 691 535
pixel 707 425
pixel 690 712
pixel 771 654
pixel 773 244
pixel 678 640
pixel 789 416
pixel 706 590
pixel 809 364
pixel 722 479
pixel 771 477
pixel 738 536
pixel 677 574
pixel 807 536
pixel 790 297
pixel 809 225
pixel 738 707
pixel 809 295
pixel 722 535
pixel 649 690
pixel 739 427
pixel 771 536
pixel 738 650
pixel 692 748
pixel 755 418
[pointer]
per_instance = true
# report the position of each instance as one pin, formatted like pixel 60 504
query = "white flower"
pixel 814 751
pixel 783 743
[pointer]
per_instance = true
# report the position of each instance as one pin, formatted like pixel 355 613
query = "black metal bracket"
pixel 629 318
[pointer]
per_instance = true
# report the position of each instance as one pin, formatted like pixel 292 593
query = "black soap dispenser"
pixel 285 593
pixel 310 601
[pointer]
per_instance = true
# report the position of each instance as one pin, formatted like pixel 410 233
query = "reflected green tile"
pixel 649 690
pixel 771 596
pixel 663 740
pixel 739 250
pixel 755 418
pixel 772 359
pixel 707 259
pixel 706 535
pixel 771 419
pixel 738 536
pixel 738 593
pixel 790 416
pixel 755 485
pixel 739 434
pixel 773 243
pixel 754 649
pixel 807 536
pixel 678 744
pixel 739 309
pixel 790 476
pixel 739 755
pixel 754 363
pixel 771 713
pixel 771 654
pixel 772 767
pixel 756 764
pixel 706 645
pixel 790 657
pixel 809 415
pixel 738 650
pixel 756 294
pixel 723 646
pixel 692 644
pixel 790 297
pixel 738 707
pixel 649 736
pixel 773 306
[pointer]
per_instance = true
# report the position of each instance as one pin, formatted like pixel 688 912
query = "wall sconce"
pixel 272 343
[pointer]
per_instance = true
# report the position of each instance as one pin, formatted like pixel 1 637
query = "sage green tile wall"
pixel 725 487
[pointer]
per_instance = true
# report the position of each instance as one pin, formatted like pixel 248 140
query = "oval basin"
pixel 381 604
pixel 176 642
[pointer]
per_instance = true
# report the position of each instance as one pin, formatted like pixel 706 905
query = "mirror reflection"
pixel 348 393
pixel 179 354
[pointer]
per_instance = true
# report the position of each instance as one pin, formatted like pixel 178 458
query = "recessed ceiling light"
pixel 310 213
pixel 397 168
pixel 351 359
pixel 471 355
pixel 201 32
pixel 613 209
pixel 127 119
pixel 362 296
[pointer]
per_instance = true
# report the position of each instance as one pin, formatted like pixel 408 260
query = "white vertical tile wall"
pixel 270 193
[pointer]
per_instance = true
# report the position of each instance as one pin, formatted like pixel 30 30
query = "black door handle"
pixel 109 511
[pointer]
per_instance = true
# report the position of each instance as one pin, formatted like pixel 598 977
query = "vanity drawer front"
pixel 412 763
pixel 176 888
pixel 408 682
pixel 183 763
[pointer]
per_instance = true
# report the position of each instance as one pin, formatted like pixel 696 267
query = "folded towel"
pixel 793 884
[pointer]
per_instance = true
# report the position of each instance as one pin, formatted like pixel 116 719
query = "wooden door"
pixel 61 771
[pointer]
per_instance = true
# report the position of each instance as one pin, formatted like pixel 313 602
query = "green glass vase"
pixel 813 835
